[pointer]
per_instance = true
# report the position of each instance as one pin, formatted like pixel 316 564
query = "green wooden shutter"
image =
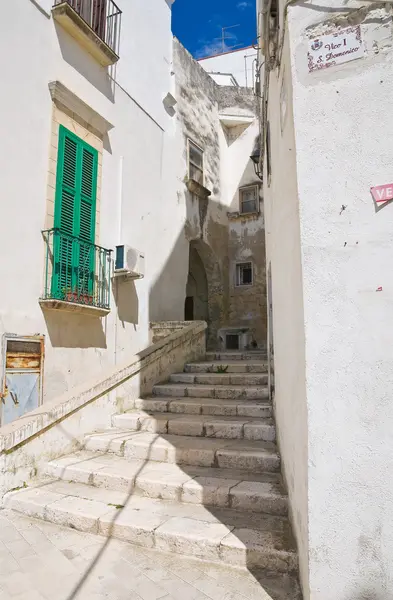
pixel 87 216
pixel 75 213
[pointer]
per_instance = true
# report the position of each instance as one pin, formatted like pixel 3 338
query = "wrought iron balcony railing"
pixel 102 16
pixel 76 271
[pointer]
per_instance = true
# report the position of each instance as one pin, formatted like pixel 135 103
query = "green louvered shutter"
pixel 75 207
pixel 87 217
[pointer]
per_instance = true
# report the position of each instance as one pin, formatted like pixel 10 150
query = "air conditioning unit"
pixel 129 262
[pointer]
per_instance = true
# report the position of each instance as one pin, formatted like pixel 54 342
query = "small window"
pixel 195 162
pixel 232 341
pixel 244 274
pixel 248 199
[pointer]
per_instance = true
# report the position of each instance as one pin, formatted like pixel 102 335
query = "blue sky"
pixel 197 24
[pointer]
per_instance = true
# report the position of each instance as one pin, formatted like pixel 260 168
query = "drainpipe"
pixel 119 241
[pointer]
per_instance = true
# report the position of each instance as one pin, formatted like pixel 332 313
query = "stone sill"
pixel 68 18
pixel 50 414
pixel 91 311
pixel 196 188
pixel 238 216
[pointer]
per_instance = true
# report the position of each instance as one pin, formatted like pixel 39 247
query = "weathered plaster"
pixel 201 104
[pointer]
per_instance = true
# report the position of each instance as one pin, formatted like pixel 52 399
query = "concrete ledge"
pixel 161 329
pixel 196 188
pixel 238 216
pixel 74 307
pixel 82 32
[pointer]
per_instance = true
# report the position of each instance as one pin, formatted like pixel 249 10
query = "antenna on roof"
pixel 224 37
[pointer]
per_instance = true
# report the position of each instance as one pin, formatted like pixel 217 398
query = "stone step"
pixel 257 457
pixel 248 428
pixel 225 488
pixel 218 535
pixel 250 355
pixel 232 366
pixel 206 406
pixel 178 390
pixel 251 379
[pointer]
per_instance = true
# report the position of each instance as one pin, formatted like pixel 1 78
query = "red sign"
pixel 382 193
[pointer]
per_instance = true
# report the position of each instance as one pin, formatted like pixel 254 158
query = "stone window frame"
pixel 61 116
pixel 238 268
pixel 254 186
pixel 80 118
pixel 190 163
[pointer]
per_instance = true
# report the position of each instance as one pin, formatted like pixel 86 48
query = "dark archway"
pixel 196 305
pixel 205 294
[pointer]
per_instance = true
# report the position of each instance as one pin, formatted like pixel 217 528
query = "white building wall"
pixel 283 257
pixel 40 51
pixel 238 63
pixel 344 146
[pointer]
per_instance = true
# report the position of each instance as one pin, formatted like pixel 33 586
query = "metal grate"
pixel 103 16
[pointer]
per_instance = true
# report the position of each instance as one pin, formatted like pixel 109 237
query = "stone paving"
pixel 43 561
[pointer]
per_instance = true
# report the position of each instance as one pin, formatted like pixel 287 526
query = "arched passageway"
pixel 205 297
pixel 196 304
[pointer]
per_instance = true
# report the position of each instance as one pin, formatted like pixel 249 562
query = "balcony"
pixel 77 275
pixel 95 24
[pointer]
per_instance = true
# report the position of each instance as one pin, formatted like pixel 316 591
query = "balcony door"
pixel 75 216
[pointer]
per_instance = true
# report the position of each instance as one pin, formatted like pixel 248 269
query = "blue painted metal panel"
pixel 23 392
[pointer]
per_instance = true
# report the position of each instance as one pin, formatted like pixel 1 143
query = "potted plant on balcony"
pixel 73 295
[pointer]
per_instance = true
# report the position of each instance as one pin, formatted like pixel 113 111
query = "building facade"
pixel 102 152
pixel 326 145
pixel 224 228
pixel 86 164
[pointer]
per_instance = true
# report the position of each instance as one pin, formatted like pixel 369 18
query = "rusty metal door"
pixel 22 376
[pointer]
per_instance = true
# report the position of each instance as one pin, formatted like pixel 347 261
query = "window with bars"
pixel 244 274
pixel 249 199
pixel 195 162
pixel 75 216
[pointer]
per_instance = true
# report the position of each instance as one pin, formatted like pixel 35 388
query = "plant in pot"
pixel 73 295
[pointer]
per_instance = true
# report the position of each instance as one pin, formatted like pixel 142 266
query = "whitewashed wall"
pixel 283 254
pixel 344 145
pixel 238 63
pixel 79 347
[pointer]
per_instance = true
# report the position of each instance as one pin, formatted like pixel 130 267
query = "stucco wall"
pixel 343 147
pixel 138 204
pixel 347 255
pixel 283 254
pixel 219 241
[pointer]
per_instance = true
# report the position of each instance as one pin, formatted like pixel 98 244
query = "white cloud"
pixel 217 45
pixel 243 5
pixel 211 48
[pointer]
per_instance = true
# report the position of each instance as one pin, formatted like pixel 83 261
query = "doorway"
pixel 189 308
pixel 196 303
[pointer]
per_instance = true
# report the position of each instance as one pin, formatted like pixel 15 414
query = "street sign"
pixel 382 193
pixel 339 47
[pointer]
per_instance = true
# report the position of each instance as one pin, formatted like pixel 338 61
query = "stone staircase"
pixel 193 469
